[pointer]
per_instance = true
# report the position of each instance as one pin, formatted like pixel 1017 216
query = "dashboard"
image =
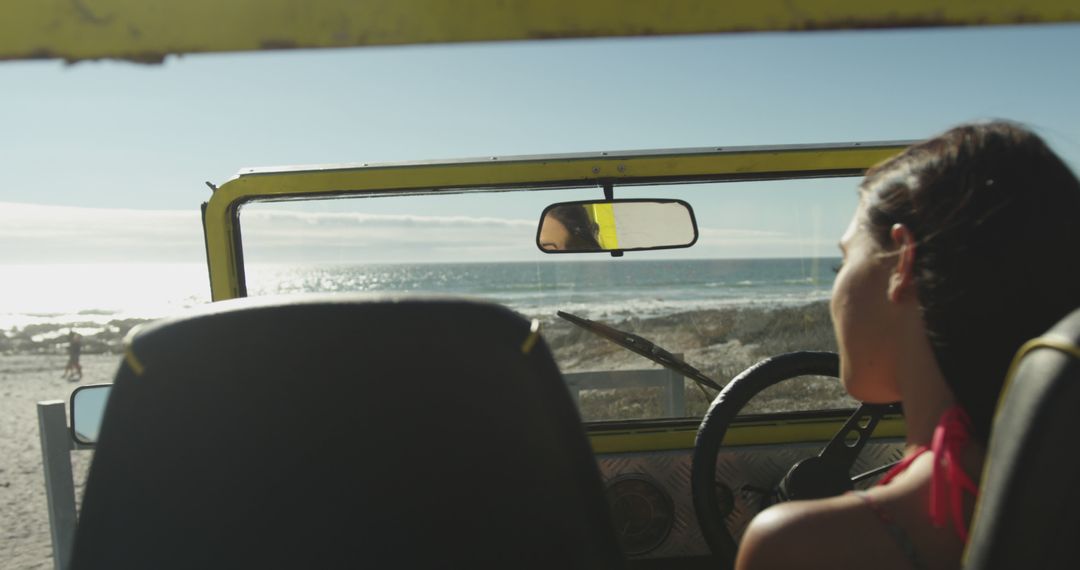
pixel 652 505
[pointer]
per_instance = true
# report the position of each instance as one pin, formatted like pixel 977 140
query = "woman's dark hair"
pixel 583 231
pixel 996 219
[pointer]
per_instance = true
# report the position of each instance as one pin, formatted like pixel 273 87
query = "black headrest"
pixel 1028 514
pixel 338 431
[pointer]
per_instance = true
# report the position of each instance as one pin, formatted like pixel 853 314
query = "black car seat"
pixel 342 432
pixel 1028 514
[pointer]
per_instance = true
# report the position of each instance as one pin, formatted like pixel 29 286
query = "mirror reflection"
pixel 87 410
pixel 616 225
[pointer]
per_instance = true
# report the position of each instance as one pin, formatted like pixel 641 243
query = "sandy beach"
pixel 719 342
pixel 24 519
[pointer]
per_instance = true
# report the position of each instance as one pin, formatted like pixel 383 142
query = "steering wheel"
pixel 824 475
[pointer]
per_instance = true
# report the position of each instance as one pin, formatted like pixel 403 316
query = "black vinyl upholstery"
pixel 1029 510
pixel 343 432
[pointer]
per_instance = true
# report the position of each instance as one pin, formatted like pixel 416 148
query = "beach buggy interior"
pixel 632 313
pixel 513 361
pixel 537 383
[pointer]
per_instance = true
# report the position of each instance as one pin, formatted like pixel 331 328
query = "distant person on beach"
pixel 73 370
pixel 569 228
pixel 961 249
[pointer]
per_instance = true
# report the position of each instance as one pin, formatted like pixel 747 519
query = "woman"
pixel 568 227
pixel 961 248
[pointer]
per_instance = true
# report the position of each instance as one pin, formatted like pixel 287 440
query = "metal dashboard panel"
pixel 756 466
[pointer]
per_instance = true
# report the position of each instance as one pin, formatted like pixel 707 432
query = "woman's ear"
pixel 902 280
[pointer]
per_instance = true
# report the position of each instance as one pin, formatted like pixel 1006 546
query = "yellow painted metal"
pixel 148 30
pixel 133 361
pixel 516 172
pixel 758 433
pixel 603 215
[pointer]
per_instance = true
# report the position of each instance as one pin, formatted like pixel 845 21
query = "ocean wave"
pixel 621 289
pixel 659 307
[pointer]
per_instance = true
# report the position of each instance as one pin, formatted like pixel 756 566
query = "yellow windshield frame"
pixel 149 30
pixel 224 248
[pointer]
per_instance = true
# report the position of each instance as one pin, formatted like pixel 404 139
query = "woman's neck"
pixel 923 390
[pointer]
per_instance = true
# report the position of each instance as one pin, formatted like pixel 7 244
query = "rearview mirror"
pixel 616 225
pixel 87 410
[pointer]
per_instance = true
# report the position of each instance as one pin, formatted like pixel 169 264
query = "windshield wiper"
pixel 646 348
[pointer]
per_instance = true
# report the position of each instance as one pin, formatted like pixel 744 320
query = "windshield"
pixel 755 284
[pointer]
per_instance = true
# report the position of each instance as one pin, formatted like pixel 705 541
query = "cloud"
pixel 34 233
pixel 719 242
pixel 715 234
pixel 357 238
pixel 354 219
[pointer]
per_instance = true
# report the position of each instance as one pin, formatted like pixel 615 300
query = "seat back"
pixel 1028 514
pixel 343 432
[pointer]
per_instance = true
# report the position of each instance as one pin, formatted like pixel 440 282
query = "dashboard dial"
pixel 642 512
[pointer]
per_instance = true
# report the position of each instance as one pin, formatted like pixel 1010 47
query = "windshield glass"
pixel 755 284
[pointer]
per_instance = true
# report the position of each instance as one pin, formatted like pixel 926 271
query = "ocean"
pixel 39 303
pixel 598 289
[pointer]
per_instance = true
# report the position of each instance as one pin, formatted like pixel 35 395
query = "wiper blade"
pixel 644 347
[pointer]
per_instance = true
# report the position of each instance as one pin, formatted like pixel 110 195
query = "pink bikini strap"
pixel 903 465
pixel 949 481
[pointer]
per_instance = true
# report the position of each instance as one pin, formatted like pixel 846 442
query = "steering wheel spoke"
pixel 853 436
pixel 829 473
pixel 826 474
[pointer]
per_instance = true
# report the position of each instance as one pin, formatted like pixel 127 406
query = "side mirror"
pixel 87 410
pixel 616 225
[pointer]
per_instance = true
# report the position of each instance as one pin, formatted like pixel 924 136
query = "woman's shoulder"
pixel 838 532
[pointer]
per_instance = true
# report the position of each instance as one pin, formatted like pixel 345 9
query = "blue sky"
pixel 117 137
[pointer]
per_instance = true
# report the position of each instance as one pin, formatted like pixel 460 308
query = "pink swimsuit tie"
pixel 903 465
pixel 948 482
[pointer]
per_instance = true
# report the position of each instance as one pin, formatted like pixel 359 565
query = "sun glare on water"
pixel 97 293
